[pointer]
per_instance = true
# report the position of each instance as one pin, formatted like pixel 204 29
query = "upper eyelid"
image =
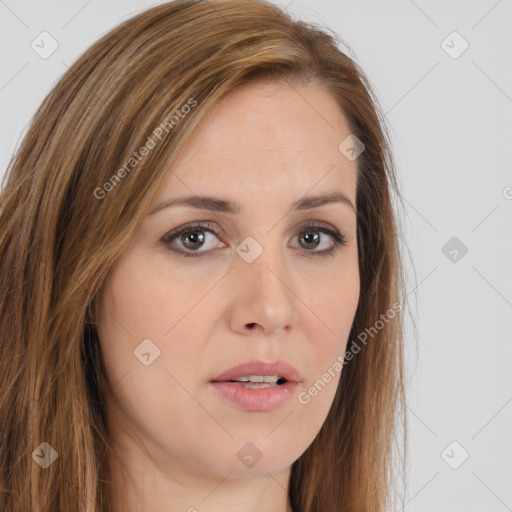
pixel 199 225
pixel 211 226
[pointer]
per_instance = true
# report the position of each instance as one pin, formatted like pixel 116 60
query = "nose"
pixel 263 298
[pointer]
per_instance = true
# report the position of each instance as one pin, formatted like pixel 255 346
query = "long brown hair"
pixel 60 232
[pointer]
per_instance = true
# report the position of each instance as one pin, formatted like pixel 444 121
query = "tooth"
pixel 258 385
pixel 271 378
pixel 259 378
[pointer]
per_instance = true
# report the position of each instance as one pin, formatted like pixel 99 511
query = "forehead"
pixel 267 139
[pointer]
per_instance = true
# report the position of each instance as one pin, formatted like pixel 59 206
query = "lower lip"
pixel 263 399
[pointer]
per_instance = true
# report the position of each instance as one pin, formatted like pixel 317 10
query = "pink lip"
pixel 259 400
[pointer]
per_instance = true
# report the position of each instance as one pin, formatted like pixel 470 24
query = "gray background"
pixel 450 119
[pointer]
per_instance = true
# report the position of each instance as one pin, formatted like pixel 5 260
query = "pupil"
pixel 194 238
pixel 311 238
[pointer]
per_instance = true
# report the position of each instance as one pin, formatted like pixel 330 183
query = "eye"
pixel 192 237
pixel 313 236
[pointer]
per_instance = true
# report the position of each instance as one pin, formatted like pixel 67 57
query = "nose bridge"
pixel 268 263
pixel 265 284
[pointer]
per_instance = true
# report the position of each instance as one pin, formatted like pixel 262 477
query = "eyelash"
pixel 338 237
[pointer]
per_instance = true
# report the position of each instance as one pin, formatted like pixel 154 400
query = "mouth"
pixel 257 386
pixel 259 381
pixel 257 371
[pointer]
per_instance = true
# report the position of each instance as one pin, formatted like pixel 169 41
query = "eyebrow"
pixel 220 205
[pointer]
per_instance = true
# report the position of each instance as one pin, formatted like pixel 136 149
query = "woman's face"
pixel 263 286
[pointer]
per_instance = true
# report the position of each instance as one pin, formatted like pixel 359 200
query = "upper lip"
pixel 256 367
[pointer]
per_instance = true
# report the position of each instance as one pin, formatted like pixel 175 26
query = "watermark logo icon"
pixel 454 455
pixel 44 45
pixel 454 249
pixel 249 454
pixel 146 352
pixel 454 45
pixel 44 455
pixel 351 147
pixel 249 249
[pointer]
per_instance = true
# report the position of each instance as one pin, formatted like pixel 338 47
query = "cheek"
pixel 148 322
pixel 331 306
pixel 142 323
pixel 132 316
pixel 142 299
pixel 328 323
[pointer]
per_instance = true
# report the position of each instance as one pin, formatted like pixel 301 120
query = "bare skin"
pixel 265 147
